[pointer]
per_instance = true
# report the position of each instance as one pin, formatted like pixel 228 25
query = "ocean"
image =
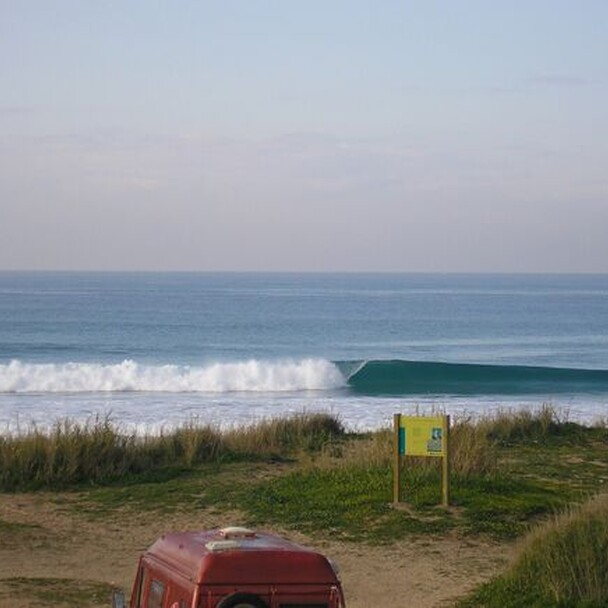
pixel 155 350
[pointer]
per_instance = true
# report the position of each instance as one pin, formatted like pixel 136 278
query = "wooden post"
pixel 397 460
pixel 445 473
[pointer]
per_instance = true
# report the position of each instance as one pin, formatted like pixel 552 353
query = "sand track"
pixel 46 536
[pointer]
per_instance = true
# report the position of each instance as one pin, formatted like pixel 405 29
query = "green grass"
pixel 503 507
pixel 205 486
pixel 353 504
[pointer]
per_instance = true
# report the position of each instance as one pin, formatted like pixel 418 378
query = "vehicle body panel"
pixel 202 569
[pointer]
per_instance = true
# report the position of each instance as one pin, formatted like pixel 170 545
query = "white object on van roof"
pixel 237 532
pixel 222 545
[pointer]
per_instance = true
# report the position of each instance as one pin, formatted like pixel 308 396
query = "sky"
pixel 284 135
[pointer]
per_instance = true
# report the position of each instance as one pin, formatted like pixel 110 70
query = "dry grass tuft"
pixel 276 436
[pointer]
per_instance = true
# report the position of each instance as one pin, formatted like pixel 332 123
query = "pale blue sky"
pixel 280 135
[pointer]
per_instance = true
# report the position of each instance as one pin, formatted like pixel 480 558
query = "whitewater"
pixel 156 350
pixel 246 376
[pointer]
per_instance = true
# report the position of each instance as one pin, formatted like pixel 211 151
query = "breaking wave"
pixel 130 376
pixel 397 377
pixel 370 378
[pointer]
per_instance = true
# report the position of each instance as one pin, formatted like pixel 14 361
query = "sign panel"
pixel 422 436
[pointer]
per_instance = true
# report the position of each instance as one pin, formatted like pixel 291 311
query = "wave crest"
pixel 398 377
pixel 130 376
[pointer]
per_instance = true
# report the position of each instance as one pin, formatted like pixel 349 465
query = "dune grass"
pixel 563 562
pixel 99 453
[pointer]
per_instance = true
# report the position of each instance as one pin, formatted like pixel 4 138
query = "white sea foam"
pixel 153 413
pixel 130 376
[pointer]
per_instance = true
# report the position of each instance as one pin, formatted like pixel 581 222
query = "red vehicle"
pixel 232 568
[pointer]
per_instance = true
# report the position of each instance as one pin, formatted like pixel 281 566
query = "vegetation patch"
pixel 10 527
pixel 98 453
pixel 503 507
pixel 508 474
pixel 354 504
pixel 58 592
pixel 564 562
pixel 12 533
pixel 340 485
pixel 203 487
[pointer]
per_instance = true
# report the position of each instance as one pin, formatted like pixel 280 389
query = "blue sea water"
pixel 154 350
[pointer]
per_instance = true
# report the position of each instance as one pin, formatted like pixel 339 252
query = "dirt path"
pixel 42 538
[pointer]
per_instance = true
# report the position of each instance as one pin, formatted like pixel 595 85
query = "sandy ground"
pixel 59 542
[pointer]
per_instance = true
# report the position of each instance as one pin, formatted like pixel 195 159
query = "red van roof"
pixel 212 557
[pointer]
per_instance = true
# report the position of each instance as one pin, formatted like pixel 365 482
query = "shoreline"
pixel 145 413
